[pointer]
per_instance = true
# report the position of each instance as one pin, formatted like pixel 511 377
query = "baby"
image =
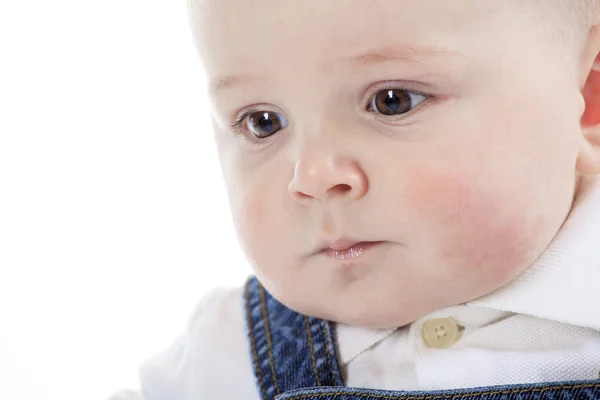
pixel 415 184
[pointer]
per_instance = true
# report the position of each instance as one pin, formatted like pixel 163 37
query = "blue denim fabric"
pixel 584 390
pixel 294 358
pixel 289 350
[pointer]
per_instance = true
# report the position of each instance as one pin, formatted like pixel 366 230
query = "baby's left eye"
pixel 395 101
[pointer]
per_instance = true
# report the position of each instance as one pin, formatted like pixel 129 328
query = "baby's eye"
pixel 395 101
pixel 263 124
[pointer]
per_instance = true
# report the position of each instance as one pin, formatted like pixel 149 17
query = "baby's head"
pixel 453 133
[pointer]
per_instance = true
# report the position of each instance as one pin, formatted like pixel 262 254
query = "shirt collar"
pixel 562 285
pixel 354 340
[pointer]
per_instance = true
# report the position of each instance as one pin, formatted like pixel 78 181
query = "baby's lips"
pixel 342 244
pixel 339 244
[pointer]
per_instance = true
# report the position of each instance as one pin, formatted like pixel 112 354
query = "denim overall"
pixel 294 358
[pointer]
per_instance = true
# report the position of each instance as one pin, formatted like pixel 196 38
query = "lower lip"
pixel 352 252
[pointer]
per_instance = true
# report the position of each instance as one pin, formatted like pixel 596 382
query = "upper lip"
pixel 339 244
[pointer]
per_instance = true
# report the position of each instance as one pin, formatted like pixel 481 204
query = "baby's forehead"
pixel 255 40
pixel 255 30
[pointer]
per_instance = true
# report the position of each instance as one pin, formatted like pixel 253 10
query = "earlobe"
pixel 588 161
pixel 591 95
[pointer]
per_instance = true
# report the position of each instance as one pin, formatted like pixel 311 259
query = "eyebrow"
pixel 403 53
pixel 233 80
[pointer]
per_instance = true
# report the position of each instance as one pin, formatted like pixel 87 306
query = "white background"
pixel 113 217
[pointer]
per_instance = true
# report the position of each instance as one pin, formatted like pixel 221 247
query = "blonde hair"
pixel 574 18
pixel 566 23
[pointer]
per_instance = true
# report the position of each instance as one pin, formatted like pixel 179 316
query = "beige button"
pixel 441 333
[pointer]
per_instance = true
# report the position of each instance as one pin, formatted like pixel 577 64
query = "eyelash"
pixel 238 122
pixel 427 96
pixel 238 129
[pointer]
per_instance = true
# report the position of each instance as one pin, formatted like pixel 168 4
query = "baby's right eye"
pixel 263 124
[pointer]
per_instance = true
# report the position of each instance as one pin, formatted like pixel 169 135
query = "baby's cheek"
pixel 251 221
pixel 483 235
pixel 260 228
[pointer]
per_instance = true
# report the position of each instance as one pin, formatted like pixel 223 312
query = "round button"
pixel 441 333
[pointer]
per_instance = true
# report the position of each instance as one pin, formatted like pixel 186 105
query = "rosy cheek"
pixel 479 231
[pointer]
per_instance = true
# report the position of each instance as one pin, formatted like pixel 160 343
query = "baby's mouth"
pixel 344 250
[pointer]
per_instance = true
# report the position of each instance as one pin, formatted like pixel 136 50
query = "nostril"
pixel 340 189
pixel 302 196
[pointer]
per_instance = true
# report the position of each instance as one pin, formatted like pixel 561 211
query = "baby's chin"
pixel 383 319
pixel 360 313
pixel 385 309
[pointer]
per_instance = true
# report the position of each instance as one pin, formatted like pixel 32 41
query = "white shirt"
pixel 542 327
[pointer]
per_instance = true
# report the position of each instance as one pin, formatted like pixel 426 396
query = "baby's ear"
pixel 588 161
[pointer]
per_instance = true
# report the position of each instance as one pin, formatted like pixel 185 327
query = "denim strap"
pixel 574 390
pixel 289 350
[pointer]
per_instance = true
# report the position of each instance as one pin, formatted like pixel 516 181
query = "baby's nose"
pixel 326 178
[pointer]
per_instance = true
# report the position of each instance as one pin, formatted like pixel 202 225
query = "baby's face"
pixel 445 131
